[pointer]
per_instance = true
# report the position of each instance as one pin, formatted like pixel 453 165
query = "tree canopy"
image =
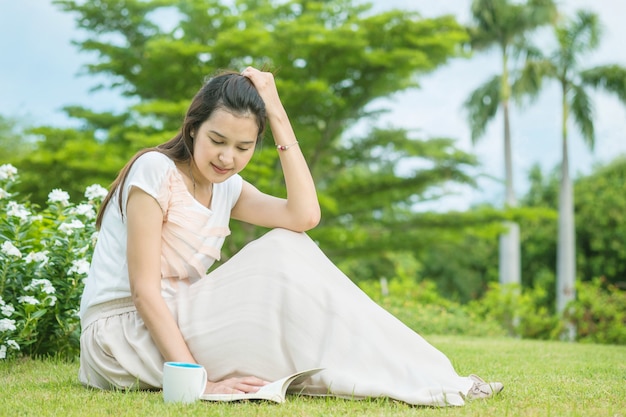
pixel 332 59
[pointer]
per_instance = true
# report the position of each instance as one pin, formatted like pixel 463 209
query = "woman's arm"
pixel 300 211
pixel 144 219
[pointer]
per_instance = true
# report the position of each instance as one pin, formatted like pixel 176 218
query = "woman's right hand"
pixel 237 385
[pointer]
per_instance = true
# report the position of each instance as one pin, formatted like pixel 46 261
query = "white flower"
pixel 41 257
pixel 9 249
pixel 3 351
pixel 7 309
pixel 7 324
pixel 81 251
pixel 17 210
pixel 7 172
pixel 28 299
pixel 3 193
pixel 13 344
pixel 44 284
pixel 68 228
pixel 36 218
pixel 80 267
pixel 84 210
pixel 59 196
pixel 51 299
pixel 95 192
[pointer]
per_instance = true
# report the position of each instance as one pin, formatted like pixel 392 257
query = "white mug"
pixel 183 382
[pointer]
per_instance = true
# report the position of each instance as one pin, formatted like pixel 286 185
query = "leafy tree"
pixel 332 58
pixel 601 224
pixel 503 24
pixel 461 264
pixel 575 38
pixel 13 143
pixel 538 235
pixel 73 158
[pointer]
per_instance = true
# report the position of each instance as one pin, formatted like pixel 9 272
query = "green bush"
pixel 419 306
pixel 521 312
pixel 44 257
pixel 599 313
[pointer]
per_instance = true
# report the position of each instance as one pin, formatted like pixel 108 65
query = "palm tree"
pixel 503 24
pixel 575 38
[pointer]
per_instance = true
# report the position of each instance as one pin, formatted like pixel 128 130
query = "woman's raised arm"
pixel 300 211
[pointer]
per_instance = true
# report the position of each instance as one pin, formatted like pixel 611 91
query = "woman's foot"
pixel 482 389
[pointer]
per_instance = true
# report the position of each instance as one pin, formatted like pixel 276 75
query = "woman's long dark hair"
pixel 229 91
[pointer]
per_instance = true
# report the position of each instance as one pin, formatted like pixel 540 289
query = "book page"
pixel 274 391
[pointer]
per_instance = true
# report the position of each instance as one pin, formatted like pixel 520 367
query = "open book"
pixel 275 391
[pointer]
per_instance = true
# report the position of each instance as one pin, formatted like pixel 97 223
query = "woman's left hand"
pixel 241 385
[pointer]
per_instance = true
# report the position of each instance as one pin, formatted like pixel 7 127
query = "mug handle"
pixel 204 381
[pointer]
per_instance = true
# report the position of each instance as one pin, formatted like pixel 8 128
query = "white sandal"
pixel 482 389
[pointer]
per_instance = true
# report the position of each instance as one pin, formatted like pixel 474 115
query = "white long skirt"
pixel 277 307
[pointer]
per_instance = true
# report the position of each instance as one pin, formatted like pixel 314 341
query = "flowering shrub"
pixel 44 257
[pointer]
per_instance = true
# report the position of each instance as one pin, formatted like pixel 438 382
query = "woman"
pixel 276 307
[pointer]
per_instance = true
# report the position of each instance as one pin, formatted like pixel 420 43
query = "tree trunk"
pixel 510 254
pixel 566 250
pixel 510 266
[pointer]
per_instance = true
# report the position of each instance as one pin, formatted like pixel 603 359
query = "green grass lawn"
pixel 540 378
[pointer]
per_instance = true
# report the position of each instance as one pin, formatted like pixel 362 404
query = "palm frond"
pixel 611 78
pixel 577 36
pixel 529 81
pixel 582 110
pixel 586 30
pixel 523 49
pixel 501 22
pixel 544 11
pixel 482 106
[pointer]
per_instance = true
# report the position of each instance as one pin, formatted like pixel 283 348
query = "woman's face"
pixel 224 144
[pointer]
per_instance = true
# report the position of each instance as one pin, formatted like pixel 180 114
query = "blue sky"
pixel 39 70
